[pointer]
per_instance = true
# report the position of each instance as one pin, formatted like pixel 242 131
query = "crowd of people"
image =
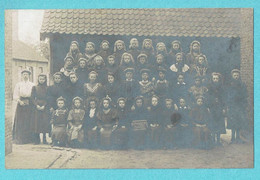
pixel 140 98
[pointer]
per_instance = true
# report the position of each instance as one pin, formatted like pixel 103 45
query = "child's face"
pixel 134 43
pixel 142 60
pixel 110 78
pixel 92 104
pixel 168 104
pixel 119 46
pixel 60 104
pixel 105 104
pixel 235 75
pixel 121 103
pixel 175 46
pixel 147 45
pixel 154 101
pixel 42 79
pixel 68 61
pixel 179 58
pixel 129 75
pixel 73 47
pixel 145 76
pixel 161 75
pixel 57 79
pixel 105 46
pixel 25 75
pixel 92 77
pixel 180 78
pixel 195 47
pixel 77 103
pixel 159 60
pixel 89 48
pixel 182 102
pixel 111 61
pixel 82 64
pixel 98 61
pixel 197 82
pixel 201 60
pixel 127 59
pixel 160 47
pixel 139 102
pixel 73 78
pixel 199 101
pixel 215 78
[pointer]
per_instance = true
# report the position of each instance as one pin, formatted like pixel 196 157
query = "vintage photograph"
pixel 129 88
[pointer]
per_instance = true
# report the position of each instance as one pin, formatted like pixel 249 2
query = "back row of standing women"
pixel 171 96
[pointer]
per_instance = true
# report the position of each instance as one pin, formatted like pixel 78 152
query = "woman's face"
pixel 77 103
pixel 159 60
pixel 110 79
pixel 145 76
pixel 25 76
pixel 60 104
pixel 92 104
pixel 199 101
pixel 57 79
pixel 179 58
pixel 105 104
pixel 105 46
pixel 142 60
pixel 215 78
pixel 154 101
pixel 201 60
pixel 235 75
pixel 92 77
pixel 89 48
pixel 182 102
pixel 127 59
pixel 111 61
pixel 121 103
pixel 147 45
pixel 119 46
pixel 139 102
pixel 175 46
pixel 42 79
pixel 82 64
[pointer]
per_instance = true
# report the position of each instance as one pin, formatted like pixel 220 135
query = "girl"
pixel 67 69
pixel 90 55
pixel 75 122
pixel 142 63
pixel 90 125
pixel 111 88
pixel 179 66
pixel 160 62
pixel 100 69
pixel 92 88
pixel 161 49
pixel 200 68
pixel 139 124
pixel 104 51
pixel 197 90
pixel 127 61
pixel 161 87
pixel 40 121
pixel 119 50
pixel 175 48
pixel 200 118
pixel 111 66
pixel 194 52
pixel 180 88
pixel 81 71
pixel 133 48
pixel 59 124
pixel 216 105
pixel 148 49
pixel 74 52
pixel 237 106
pixel 22 95
pixel 107 121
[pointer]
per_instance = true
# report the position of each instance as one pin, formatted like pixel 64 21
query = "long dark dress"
pixel 71 91
pixel 40 121
pixel 91 135
pixel 53 93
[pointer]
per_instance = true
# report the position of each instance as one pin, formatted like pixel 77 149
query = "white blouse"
pixel 22 89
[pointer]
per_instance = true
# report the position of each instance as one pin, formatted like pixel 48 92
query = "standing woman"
pixel 40 120
pixel 22 93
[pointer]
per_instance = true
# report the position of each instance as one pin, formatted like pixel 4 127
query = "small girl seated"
pixel 75 121
pixel 59 124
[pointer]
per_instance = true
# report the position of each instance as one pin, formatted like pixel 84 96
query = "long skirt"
pixel 236 118
pixel 105 136
pixel 169 137
pixel 22 133
pixel 120 138
pixel 41 121
pixel 91 138
pixel 201 137
pixel 217 123
pixel 155 137
pixel 59 134
pixel 76 134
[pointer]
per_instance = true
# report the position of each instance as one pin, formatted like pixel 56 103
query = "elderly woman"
pixel 22 95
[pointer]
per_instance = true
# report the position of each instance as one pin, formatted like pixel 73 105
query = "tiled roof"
pixel 22 51
pixel 144 22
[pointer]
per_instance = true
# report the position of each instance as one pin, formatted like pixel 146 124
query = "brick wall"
pixel 8 82
pixel 247 58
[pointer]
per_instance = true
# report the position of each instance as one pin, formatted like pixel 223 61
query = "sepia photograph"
pixel 159 88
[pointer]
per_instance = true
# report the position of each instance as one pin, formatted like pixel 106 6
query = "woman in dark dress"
pixel 22 133
pixel 40 120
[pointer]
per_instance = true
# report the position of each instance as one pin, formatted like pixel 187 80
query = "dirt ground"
pixel 46 157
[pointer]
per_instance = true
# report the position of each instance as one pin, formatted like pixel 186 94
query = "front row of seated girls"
pixel 141 127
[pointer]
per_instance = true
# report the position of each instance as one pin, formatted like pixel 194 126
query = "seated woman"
pixel 75 122
pixel 107 122
pixel 139 124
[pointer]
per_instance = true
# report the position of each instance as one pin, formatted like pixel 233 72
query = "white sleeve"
pixel 16 94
